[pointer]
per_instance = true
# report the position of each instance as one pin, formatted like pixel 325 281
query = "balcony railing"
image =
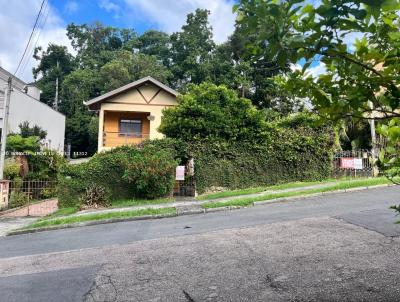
pixel 115 139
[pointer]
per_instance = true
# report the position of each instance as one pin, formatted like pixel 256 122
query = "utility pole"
pixel 373 139
pixel 373 147
pixel 55 105
pixel 4 130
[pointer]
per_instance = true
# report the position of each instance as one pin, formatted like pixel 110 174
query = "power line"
pixel 30 37
pixel 40 30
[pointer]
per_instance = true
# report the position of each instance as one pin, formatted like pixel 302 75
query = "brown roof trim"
pixel 129 103
pixel 129 86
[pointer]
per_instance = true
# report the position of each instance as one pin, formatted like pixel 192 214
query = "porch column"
pixel 101 131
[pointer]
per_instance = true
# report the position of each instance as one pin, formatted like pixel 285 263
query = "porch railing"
pixel 115 139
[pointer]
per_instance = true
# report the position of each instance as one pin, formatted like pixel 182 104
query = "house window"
pixel 130 127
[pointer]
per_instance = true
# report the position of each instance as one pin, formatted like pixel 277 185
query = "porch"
pixel 124 128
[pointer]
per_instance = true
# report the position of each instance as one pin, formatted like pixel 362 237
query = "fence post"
pixel 4 191
pixel 29 199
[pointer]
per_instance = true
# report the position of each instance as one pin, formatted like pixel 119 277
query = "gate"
pixel 31 198
pixel 185 183
pixel 353 163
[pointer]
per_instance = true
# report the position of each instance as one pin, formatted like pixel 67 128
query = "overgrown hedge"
pixel 296 148
pixel 146 171
pixel 290 155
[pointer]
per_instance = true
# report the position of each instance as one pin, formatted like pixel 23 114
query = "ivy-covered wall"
pixel 288 155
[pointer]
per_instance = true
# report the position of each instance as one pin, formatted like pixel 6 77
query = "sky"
pixel 17 20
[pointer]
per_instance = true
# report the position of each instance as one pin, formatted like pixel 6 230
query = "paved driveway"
pixel 38 209
pixel 8 224
pixel 337 248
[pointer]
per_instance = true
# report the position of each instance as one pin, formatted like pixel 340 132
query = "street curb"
pixel 191 212
pixel 89 223
pixel 284 199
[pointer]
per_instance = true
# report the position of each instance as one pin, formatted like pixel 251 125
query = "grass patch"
pixel 247 191
pixel 290 185
pixel 63 212
pixel 340 186
pixel 99 216
pixel 138 202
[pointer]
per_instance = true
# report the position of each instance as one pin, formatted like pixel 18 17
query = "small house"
pixel 132 113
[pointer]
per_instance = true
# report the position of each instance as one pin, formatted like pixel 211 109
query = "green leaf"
pixel 390 5
pixel 235 7
pixel 305 66
pixel 387 21
pixel 394 35
pixel 308 8
pixel 359 14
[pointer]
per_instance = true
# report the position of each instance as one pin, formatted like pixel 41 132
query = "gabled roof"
pixel 129 86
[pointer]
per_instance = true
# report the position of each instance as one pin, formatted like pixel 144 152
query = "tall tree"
pixel 148 65
pixel 191 49
pixel 211 111
pixel 79 86
pixel 155 43
pixel 54 62
pixel 116 72
pixel 95 43
pixel 257 73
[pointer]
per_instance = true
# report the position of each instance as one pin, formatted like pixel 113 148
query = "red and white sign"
pixel 347 163
pixel 180 173
pixel 351 163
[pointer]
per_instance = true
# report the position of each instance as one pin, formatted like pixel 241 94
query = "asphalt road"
pixel 341 247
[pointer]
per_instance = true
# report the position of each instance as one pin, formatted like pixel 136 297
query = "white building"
pixel 25 105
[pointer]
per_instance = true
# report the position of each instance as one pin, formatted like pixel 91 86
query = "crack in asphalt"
pixel 101 290
pixel 187 296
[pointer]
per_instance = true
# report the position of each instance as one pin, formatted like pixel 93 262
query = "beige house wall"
pixel 146 100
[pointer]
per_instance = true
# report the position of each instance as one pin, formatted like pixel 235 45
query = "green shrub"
pixel 17 199
pixel 211 111
pixel 145 171
pixel 11 169
pixel 72 184
pixel 151 172
pixel 17 143
pixel 48 193
pixel 44 164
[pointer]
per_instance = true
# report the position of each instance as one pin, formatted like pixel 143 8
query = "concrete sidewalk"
pixel 184 207
pixel 192 203
pixel 17 218
pixel 8 224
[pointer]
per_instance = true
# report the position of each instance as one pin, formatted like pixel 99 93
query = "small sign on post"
pixel 358 163
pixel 180 173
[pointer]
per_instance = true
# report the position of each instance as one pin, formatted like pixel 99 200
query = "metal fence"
pixel 29 196
pixel 353 163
